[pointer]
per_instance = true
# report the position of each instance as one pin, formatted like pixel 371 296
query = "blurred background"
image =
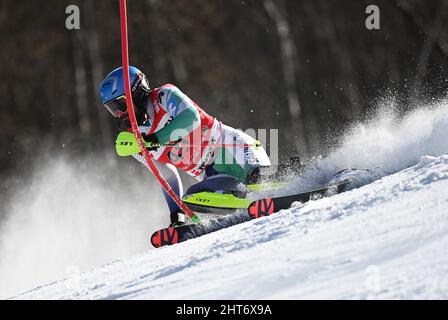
pixel 309 68
pixel 306 67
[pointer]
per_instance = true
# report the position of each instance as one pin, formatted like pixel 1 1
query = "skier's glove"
pixel 126 144
pixel 152 141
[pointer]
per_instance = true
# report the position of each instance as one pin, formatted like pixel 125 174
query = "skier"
pixel 184 137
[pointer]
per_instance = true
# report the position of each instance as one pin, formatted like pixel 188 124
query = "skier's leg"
pixel 247 164
pixel 220 183
pixel 234 166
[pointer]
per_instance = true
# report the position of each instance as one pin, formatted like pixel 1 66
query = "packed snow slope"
pixel 385 240
pixel 388 239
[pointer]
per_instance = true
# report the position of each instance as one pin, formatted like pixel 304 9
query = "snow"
pixel 386 240
pixel 71 217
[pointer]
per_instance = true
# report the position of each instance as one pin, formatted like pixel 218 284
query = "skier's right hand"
pixel 152 141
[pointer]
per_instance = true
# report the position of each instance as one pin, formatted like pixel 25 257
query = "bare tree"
pixel 93 49
pixel 155 38
pixel 165 56
pixel 85 123
pixel 433 34
pixel 289 55
pixel 290 62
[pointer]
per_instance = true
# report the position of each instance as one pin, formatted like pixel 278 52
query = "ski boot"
pixel 177 219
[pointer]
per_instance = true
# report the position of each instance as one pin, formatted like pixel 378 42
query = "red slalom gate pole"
pixel 133 120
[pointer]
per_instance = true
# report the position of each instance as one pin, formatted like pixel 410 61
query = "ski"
pixel 267 206
pixel 174 235
pixel 257 209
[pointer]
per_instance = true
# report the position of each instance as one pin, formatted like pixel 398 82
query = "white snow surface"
pixel 385 240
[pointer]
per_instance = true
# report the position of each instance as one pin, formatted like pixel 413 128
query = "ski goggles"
pixel 117 107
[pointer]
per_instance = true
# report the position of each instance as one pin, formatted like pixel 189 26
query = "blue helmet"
pixel 112 91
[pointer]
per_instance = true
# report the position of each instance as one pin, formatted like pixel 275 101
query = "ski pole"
pixel 127 145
